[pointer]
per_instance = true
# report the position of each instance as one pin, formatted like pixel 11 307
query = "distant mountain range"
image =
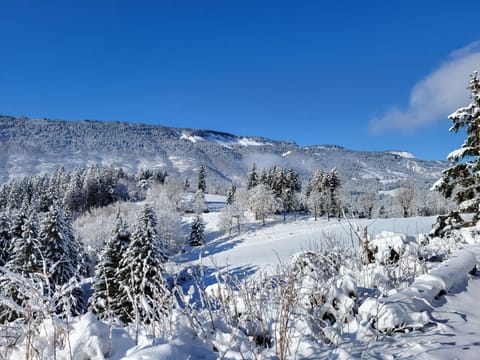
pixel 36 146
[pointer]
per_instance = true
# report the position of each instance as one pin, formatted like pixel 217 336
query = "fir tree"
pixel 26 257
pixel 143 291
pixel 462 180
pixel 202 185
pixel 252 178
pixel 61 253
pixel 107 288
pixel 5 238
pixel 197 233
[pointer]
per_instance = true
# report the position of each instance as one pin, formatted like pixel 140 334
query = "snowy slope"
pixel 36 146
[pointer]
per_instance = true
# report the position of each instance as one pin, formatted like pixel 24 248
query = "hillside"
pixel 33 146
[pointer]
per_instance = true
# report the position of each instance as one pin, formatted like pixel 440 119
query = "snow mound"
pixel 388 246
pixel 409 309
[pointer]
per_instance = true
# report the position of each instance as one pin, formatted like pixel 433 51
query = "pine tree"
pixel 5 238
pixel 252 178
pixel 197 233
pixel 143 291
pixel 332 185
pixel 26 261
pixel 61 254
pixel 26 257
pixel 462 180
pixel 107 288
pixel 202 185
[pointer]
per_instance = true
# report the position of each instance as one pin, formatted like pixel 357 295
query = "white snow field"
pixel 435 317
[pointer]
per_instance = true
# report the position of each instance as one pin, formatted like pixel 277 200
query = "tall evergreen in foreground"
pixel 107 288
pixel 143 289
pixel 61 254
pixel 462 179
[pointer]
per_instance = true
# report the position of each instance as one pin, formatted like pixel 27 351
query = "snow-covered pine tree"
pixel 202 185
pixel 197 233
pixel 25 261
pixel 252 180
pixel 143 290
pixel 315 193
pixel 61 254
pixel 5 238
pixel 26 257
pixel 332 186
pixel 104 300
pixel 462 179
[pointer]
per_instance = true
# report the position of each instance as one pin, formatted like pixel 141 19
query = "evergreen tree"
pixel 26 257
pixel 143 291
pixel 332 186
pixel 197 234
pixel 107 288
pixel 461 180
pixel 61 253
pixel 202 185
pixel 5 238
pixel 252 178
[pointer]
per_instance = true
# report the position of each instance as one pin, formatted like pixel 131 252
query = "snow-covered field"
pixel 434 316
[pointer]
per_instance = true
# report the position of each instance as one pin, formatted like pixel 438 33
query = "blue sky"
pixel 367 75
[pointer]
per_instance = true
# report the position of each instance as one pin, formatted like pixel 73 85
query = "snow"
pixel 191 138
pixel 435 317
pixel 244 141
pixel 458 154
pixel 409 308
pixel 404 154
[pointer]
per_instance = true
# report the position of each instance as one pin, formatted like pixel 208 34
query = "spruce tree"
pixel 107 288
pixel 252 178
pixel 462 180
pixel 61 254
pixel 197 233
pixel 5 238
pixel 143 289
pixel 26 257
pixel 202 185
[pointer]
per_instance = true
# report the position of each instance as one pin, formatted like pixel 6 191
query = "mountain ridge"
pixel 35 146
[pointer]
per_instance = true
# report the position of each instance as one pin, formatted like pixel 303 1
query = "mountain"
pixel 35 146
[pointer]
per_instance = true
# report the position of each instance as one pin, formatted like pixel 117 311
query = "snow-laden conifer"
pixel 197 233
pixel 462 179
pixel 5 238
pixel 143 290
pixel 61 254
pixel 107 293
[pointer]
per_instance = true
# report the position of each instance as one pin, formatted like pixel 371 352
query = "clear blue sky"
pixel 313 72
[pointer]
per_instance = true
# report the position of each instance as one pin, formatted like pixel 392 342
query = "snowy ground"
pixel 454 332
